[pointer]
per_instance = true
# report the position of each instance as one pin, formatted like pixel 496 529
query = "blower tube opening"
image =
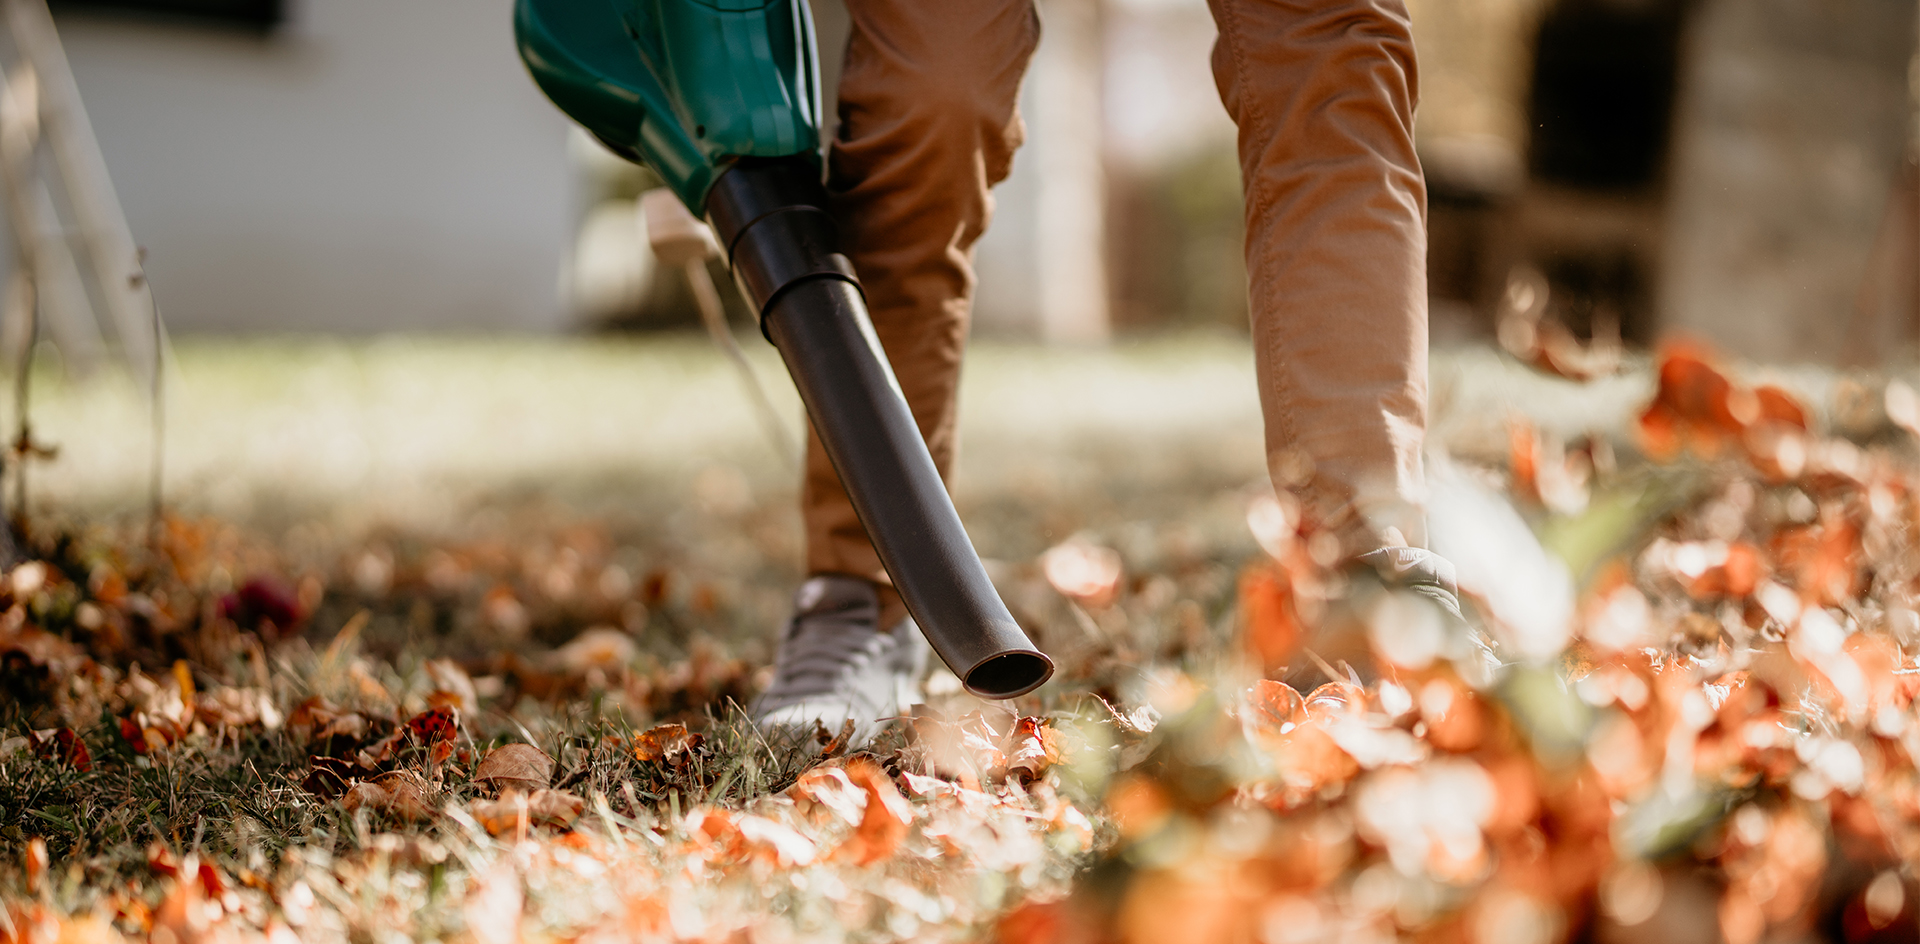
pixel 1008 675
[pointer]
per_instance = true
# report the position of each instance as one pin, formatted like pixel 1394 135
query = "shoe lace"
pixel 819 652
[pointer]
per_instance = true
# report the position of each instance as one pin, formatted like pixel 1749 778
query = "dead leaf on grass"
pixel 884 823
pixel 452 686
pixel 520 767
pixel 1032 747
pixel 61 746
pixel 669 743
pixel 399 793
pixel 826 789
pixel 776 843
pixel 555 808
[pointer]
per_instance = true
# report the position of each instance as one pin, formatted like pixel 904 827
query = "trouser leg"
pixel 1323 92
pixel 928 123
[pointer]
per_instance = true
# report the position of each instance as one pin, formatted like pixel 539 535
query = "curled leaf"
pixel 400 793
pixel 826 789
pixel 520 767
pixel 1032 747
pixel 669 743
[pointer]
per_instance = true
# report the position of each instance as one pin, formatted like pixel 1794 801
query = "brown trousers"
pixel 1323 93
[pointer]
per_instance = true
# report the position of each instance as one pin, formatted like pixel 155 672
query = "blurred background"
pixel 1739 169
pixel 398 282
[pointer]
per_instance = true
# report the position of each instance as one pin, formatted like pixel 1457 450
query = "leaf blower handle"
pixel 771 216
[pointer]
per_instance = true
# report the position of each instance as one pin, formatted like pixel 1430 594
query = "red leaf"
pixel 434 725
pixel 62 746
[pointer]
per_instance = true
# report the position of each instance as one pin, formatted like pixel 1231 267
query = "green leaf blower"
pixel 721 98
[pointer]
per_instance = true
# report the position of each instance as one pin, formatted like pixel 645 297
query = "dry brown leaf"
pixel 399 793
pixel 1032 747
pixel 452 686
pixel 521 767
pixel 667 743
pixel 555 808
pixel 311 716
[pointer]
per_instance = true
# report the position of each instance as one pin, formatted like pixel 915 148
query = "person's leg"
pixel 1323 93
pixel 928 122
pixel 927 125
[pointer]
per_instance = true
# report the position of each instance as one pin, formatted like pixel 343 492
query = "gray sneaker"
pixel 836 664
pixel 1420 571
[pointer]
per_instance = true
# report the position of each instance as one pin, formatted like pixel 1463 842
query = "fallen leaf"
pixel 669 743
pixel 521 767
pixel 555 808
pixel 452 686
pixel 777 844
pixel 434 725
pixel 827 789
pixel 884 822
pixel 1273 709
pixel 402 794
pixel 601 647
pixel 61 746
pixel 1032 747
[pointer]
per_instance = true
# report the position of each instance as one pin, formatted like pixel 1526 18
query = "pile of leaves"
pixel 1680 708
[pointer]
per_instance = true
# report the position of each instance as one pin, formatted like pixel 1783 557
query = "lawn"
pixel 449 639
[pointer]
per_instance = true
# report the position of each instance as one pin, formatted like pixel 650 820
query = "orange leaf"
pixel 669 743
pixel 1031 748
pixel 1695 390
pixel 884 824
pixel 183 677
pixel 1660 436
pixel 1523 459
pixel 1269 615
pixel 826 788
pixel 1776 405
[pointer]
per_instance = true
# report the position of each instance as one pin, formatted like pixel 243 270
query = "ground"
pixel 449 639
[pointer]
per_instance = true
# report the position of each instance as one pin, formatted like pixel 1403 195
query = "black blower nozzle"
pixel 772 217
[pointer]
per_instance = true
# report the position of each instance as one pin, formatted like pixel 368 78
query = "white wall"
pixel 377 164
